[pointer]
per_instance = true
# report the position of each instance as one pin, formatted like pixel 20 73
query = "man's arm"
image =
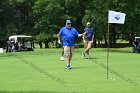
pixel 80 35
pixel 57 36
pixel 59 41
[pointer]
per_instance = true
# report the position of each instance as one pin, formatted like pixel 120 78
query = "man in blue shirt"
pixel 68 34
pixel 88 37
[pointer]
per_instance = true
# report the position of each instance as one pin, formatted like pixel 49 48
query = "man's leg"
pixel 71 52
pixel 67 56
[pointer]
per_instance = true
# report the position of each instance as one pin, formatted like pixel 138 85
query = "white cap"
pixel 88 23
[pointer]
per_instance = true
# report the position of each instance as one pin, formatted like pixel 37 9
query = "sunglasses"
pixel 68 23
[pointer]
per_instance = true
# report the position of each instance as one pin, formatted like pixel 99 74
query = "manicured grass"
pixel 41 71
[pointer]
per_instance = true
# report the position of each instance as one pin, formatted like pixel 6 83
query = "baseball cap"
pixel 68 22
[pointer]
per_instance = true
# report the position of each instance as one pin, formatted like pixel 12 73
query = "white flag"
pixel 116 17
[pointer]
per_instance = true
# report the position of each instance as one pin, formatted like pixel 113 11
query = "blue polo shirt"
pixel 89 34
pixel 68 35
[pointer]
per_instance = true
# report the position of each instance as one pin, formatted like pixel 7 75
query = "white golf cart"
pixel 20 43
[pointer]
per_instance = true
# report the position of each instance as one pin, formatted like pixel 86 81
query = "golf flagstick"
pixel 107 65
pixel 117 18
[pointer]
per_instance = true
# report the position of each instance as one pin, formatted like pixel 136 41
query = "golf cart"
pixel 20 43
pixel 136 45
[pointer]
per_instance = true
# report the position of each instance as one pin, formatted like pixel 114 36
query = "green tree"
pixel 15 16
pixel 96 13
pixel 99 9
pixel 42 37
pixel 50 15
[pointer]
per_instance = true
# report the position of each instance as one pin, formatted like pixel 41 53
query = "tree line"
pixel 43 18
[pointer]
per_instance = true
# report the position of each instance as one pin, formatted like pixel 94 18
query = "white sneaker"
pixel 62 58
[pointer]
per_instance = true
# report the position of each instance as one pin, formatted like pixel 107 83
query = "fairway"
pixel 42 71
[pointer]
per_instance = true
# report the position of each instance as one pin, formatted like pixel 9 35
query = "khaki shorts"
pixel 68 51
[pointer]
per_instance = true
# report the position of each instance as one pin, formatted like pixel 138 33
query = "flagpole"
pixel 108 52
pixel 117 18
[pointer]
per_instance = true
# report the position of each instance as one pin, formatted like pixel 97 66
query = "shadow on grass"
pixel 85 58
pixel 121 50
